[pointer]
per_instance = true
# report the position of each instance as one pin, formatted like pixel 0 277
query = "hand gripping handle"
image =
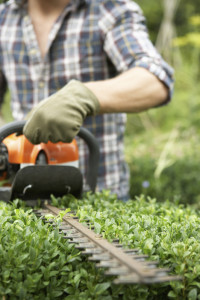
pixel 93 163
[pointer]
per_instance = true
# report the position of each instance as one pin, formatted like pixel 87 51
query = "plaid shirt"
pixel 91 40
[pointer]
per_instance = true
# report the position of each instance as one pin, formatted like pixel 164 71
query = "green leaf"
pixel 101 288
pixel 24 256
pixel 97 227
pixel 171 294
pixel 53 273
pixel 65 268
pixel 32 252
pixel 192 295
pixel 195 283
pixel 56 294
pixel 69 290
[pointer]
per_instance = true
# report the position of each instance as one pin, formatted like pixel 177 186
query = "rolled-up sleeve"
pixel 127 43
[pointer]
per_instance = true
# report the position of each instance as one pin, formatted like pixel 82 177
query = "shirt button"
pixel 33 51
pixel 41 84
pixel 26 18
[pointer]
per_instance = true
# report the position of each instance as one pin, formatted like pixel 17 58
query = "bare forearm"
pixel 133 91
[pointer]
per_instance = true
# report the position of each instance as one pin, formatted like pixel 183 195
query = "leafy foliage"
pixel 165 231
pixel 165 172
pixel 154 13
pixel 36 262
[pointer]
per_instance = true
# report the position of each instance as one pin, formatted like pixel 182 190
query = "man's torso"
pixel 74 51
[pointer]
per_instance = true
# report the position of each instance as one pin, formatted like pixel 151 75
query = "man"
pixel 95 59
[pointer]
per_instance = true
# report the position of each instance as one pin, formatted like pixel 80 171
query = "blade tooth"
pixel 71 236
pixel 90 251
pixel 50 221
pixel 96 257
pixel 65 227
pixel 121 270
pixel 67 237
pixel 115 241
pixel 85 220
pixel 151 264
pixel 134 278
pixel 85 245
pixel 126 279
pixel 69 231
pixel 140 257
pixel 161 279
pixel 117 245
pixel 91 227
pixel 108 264
pixel 80 240
pixel 162 271
pixel 37 213
pixel 45 211
pixel 131 250
pixel 75 235
pixel 71 242
pixel 41 211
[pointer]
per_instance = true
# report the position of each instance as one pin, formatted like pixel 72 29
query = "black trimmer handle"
pixel 17 127
pixel 13 127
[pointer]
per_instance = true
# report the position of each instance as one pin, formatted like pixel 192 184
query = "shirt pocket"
pixel 91 47
pixel 92 58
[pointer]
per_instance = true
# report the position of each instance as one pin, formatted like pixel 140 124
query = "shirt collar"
pixel 17 3
pixel 78 3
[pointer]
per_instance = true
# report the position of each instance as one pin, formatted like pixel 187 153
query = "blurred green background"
pixel 162 145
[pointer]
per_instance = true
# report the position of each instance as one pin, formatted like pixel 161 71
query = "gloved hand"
pixel 60 116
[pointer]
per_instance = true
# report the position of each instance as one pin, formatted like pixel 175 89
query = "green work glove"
pixel 60 116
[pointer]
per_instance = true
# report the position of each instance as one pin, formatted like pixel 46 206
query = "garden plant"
pixel 36 262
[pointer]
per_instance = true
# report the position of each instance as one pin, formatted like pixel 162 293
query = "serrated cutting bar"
pixel 127 264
